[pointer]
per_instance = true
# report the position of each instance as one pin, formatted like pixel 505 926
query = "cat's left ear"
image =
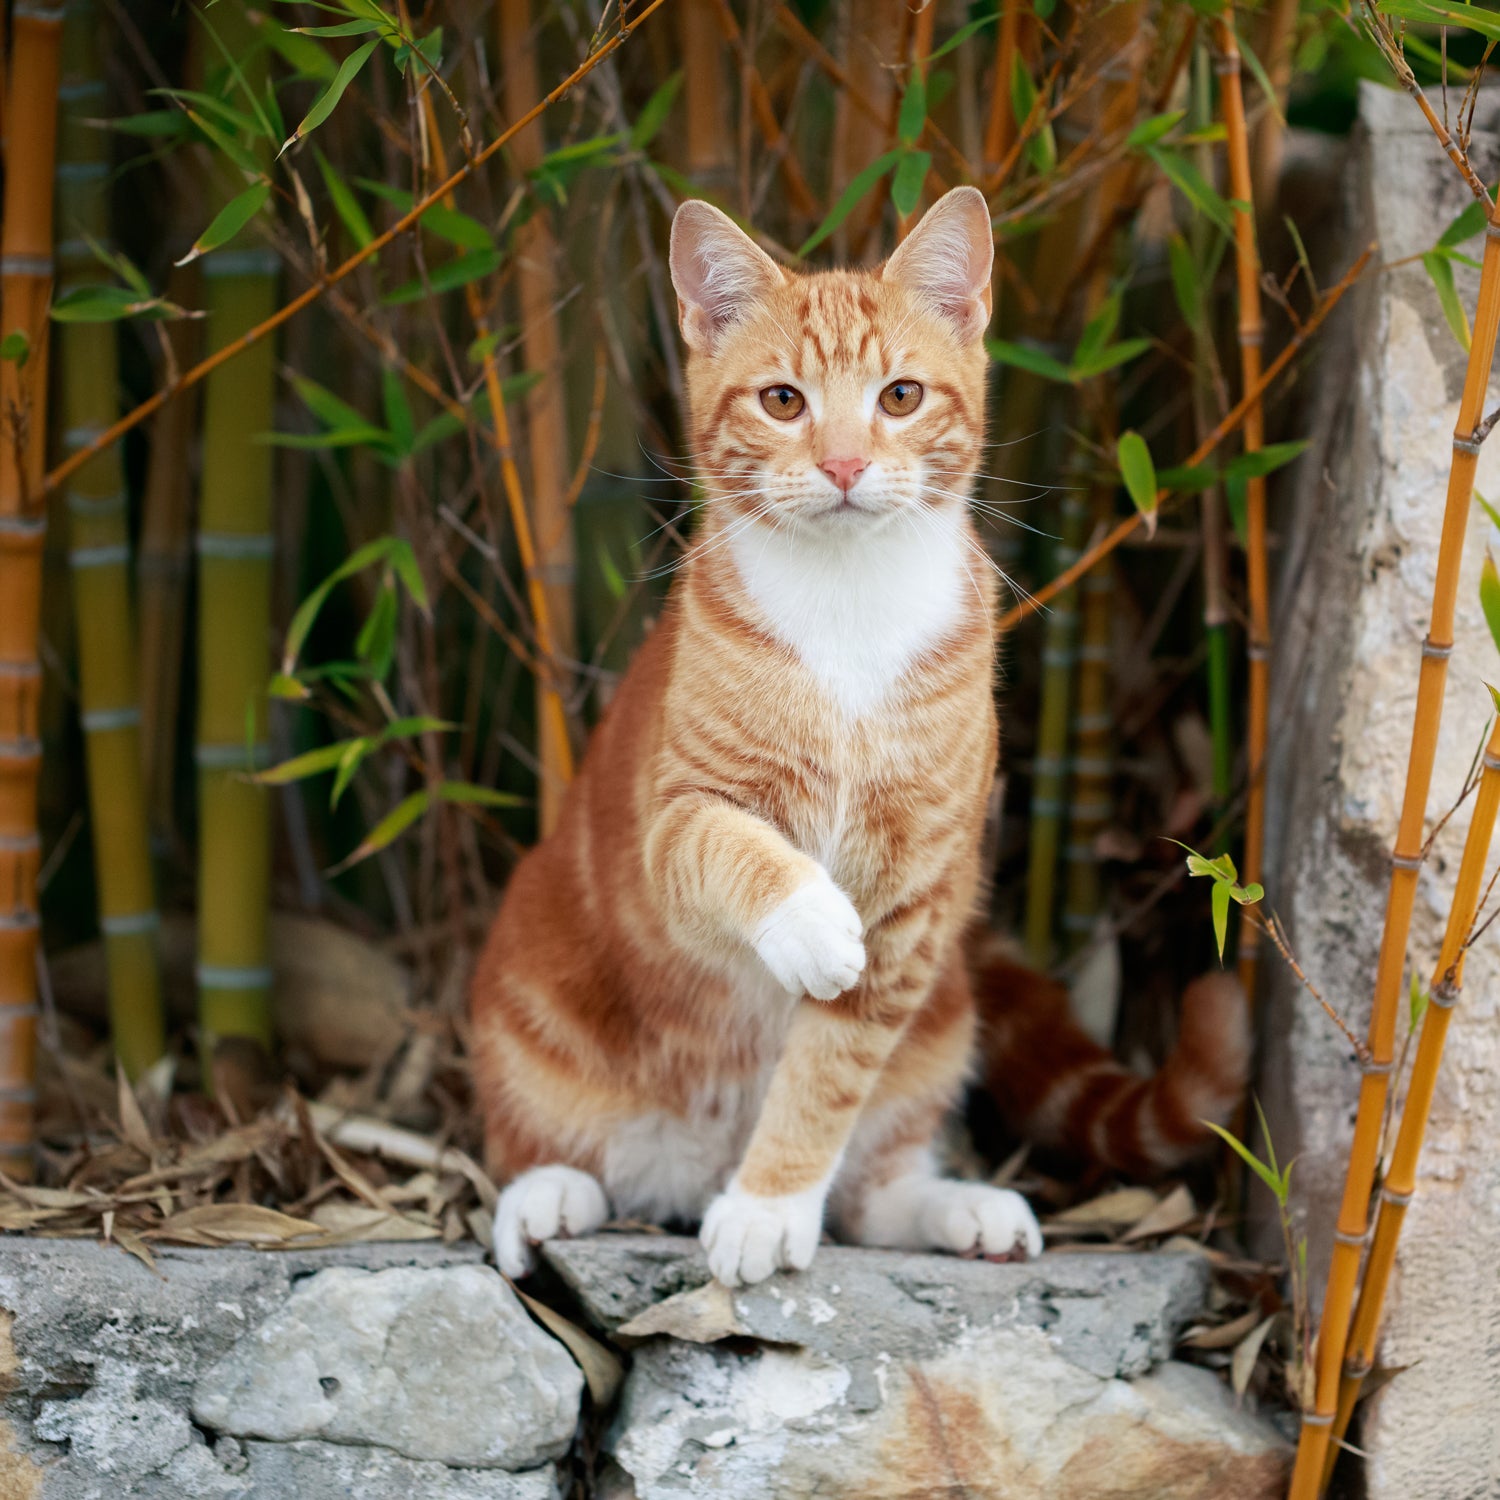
pixel 946 261
pixel 717 270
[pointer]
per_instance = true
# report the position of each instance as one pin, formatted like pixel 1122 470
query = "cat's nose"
pixel 843 471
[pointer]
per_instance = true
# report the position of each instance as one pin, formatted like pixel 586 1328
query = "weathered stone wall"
pixel 401 1373
pixel 1360 528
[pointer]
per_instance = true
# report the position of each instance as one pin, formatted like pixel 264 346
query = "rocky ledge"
pixel 413 1371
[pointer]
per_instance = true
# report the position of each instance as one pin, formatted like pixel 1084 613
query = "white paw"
pixel 973 1218
pixel 747 1238
pixel 546 1203
pixel 811 942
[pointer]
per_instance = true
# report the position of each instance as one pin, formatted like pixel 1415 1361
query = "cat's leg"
pixel 545 1203
pixel 889 1192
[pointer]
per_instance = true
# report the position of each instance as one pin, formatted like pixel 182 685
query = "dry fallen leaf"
pixel 1175 1210
pixel 358 1221
pixel 1242 1366
pixel 1221 1335
pixel 703 1316
pixel 1114 1210
pixel 132 1121
pixel 601 1370
pixel 225 1223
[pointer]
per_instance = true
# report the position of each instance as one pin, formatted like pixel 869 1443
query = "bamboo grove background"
pixel 343 469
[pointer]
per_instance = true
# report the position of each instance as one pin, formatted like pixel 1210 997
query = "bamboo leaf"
pixel 447 223
pixel 1416 1003
pixel 1219 899
pixel 906 185
pixel 1262 78
pixel 1025 357
pixel 15 348
pixel 404 562
pixel 1186 283
pixel 345 204
pixel 912 118
pixel 446 277
pixel 1465 226
pixel 963 34
pixel 299 767
pixel 1440 269
pixel 1262 461
pixel 243 159
pixel 1271 1179
pixel 1193 186
pixel 1235 502
pixel 1099 329
pixel 378 551
pixel 467 791
pixel 387 830
pixel 398 417
pixel 328 408
pixel 1138 472
pixel 1108 359
pixel 229 220
pixel 326 102
pixel 355 752
pixel 304 56
pixel 1148 132
pixel 108 304
pixel 1489 596
pixel 1486 23
pixel 858 187
pixel 1489 510
pixel 654 112
pixel 153 123
pixel 375 645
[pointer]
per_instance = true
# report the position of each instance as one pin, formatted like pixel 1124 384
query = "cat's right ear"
pixel 718 272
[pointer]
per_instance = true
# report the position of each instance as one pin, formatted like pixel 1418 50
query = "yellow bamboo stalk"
pixel 234 546
pixel 537 258
pixel 1251 332
pixel 1401 1176
pixel 708 143
pixel 99 538
pixel 870 33
pixel 25 285
pixel 1406 861
pixel 1000 129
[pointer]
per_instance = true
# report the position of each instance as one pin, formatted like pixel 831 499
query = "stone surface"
pixel 879 1374
pixel 100 1360
pixel 439 1363
pixel 1361 516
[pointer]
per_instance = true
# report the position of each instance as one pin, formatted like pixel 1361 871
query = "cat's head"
pixel 840 398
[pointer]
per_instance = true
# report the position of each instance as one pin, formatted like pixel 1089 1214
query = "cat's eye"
pixel 901 398
pixel 782 401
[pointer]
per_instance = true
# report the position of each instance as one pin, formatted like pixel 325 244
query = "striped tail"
pixel 1058 1087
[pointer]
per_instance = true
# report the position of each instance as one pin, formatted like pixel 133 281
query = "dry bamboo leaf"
pixel 132 1121
pixel 482 1227
pixel 1221 1335
pixel 601 1370
pixel 1380 1375
pixel 1175 1210
pixel 44 1197
pixel 357 1221
pixel 130 1242
pixel 1185 1245
pixel 225 1223
pixel 703 1316
pixel 15 1217
pixel 1115 1210
pixel 1010 1168
pixel 1242 1366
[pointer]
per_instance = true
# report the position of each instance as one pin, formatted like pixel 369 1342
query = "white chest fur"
pixel 859 602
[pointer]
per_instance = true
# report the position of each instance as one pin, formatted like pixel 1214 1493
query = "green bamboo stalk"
pixel 234 619
pixel 99 552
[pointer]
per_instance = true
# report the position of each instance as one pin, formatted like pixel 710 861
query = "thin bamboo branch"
pixel 25 284
pixel 1401 1176
pixel 153 403
pixel 1406 862
pixel 1230 423
pixel 1251 333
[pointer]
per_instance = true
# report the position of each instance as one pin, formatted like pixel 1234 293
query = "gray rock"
pixel 881 1375
pixel 321 1471
pixel 440 1364
pixel 1361 516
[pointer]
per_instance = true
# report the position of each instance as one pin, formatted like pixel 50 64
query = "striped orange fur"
pixel 731 985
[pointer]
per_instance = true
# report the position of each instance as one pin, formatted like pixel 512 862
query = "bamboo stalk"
pixel 234 546
pixel 100 556
pixel 1401 1175
pixel 1000 128
pixel 25 285
pixel 536 261
pixel 153 403
pixel 1251 332
pixel 1280 36
pixel 1124 529
pixel 708 144
pixel 870 39
pixel 1406 861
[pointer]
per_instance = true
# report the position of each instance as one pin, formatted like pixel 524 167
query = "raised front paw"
pixel 546 1203
pixel 973 1218
pixel 746 1238
pixel 811 942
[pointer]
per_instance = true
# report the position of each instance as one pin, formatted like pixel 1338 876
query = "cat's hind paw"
pixel 546 1203
pixel 812 942
pixel 964 1218
pixel 747 1238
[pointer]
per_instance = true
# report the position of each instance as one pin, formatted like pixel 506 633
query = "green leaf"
pixel 155 122
pixel 234 119
pixel 107 304
pixel 1148 132
pixel 1025 357
pixel 1099 329
pixel 404 562
pixel 378 551
pixel 348 28
pixel 1271 1179
pixel 1138 472
pixel 654 112
pixel 912 119
pixel 1485 505
pixel 1236 503
pixel 398 417
pixel 1489 596
pixel 243 159
pixel 345 204
pixel 861 184
pixel 1186 284
pixel 229 220
pixel 1440 269
pixel 906 185
pixel 447 223
pixel 301 54
pixel 288 688
pixel 1041 148
pixel 1465 226
pixel 467 791
pixel 354 756
pixel 300 767
pixel 387 830
pixel 962 35
pixel 325 406
pixel 1416 1003
pixel 1248 895
pixel 375 645
pixel 1190 182
pixel 15 348
pixel 1108 359
pixel 1486 23
pixel 1263 461
pixel 1262 78
pixel 446 277
pixel 327 101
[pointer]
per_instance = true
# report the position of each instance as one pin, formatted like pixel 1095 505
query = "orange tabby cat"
pixel 731 985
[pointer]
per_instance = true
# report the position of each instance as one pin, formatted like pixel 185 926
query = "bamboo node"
pixel 1372 1067
pixel 242 263
pixel 1258 651
pixel 1492 229
pixel 1397 1200
pixel 20 843
pixel 94 507
pixel 1356 1368
pixel 114 555
pixel 1431 648
pixel 18 921
pixel 1317 1418
pixel 1468 445
pixel 1406 861
pixel 19 1093
pixel 236 757
pixel 1491 762
pixel 1093 723
pixel 29 527
pixel 1046 807
pixel 233 976
pixel 1227 62
pixel 104 720
pixel 1354 1241
pixel 235 546
pixel 1254 336
pixel 1049 765
pixel 82 436
pixel 1444 995
pixel 39 266
pixel 131 923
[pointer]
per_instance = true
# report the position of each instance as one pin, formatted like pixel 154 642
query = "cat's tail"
pixel 1056 1086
